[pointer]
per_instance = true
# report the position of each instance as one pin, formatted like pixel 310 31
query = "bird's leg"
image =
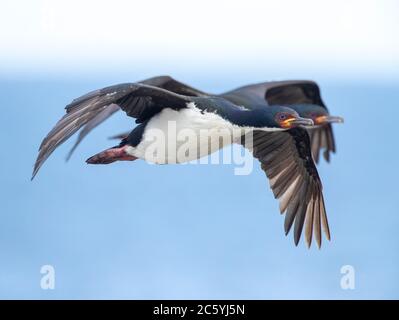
pixel 111 155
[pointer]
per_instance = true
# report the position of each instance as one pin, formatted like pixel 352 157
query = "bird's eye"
pixel 282 116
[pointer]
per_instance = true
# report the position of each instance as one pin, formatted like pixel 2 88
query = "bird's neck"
pixel 247 118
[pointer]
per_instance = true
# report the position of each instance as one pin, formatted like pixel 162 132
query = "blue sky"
pixel 133 230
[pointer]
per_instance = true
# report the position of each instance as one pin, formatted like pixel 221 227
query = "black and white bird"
pixel 303 96
pixel 278 139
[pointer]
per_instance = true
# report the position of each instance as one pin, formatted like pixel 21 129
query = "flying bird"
pixel 277 136
pixel 301 95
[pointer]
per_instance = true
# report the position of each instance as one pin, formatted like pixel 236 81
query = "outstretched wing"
pixel 97 120
pixel 294 92
pixel 168 83
pixel 322 138
pixel 287 161
pixel 164 82
pixel 139 101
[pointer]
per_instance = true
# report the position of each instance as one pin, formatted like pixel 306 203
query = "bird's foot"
pixel 111 155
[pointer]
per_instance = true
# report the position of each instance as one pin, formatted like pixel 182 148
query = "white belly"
pixel 177 136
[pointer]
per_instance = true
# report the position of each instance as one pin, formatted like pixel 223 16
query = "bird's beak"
pixel 298 121
pixel 329 119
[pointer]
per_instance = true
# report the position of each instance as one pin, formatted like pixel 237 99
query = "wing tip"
pixel 297 238
pixel 35 171
pixel 69 155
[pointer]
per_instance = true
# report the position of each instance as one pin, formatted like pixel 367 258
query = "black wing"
pixel 164 82
pixel 139 101
pixel 168 83
pixel 287 161
pixel 295 92
pixel 97 120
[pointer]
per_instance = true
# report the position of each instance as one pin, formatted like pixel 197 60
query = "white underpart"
pixel 172 131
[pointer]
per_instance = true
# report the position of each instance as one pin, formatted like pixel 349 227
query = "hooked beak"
pixel 329 119
pixel 298 121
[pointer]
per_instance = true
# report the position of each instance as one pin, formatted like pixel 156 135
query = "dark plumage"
pixel 299 95
pixel 287 161
pixel 285 156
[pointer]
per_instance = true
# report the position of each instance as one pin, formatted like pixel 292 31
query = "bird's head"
pixel 284 118
pixel 318 114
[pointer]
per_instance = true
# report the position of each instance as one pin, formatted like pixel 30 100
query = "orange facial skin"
pixel 320 120
pixel 291 120
pixel 287 123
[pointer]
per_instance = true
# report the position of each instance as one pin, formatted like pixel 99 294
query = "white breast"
pixel 176 136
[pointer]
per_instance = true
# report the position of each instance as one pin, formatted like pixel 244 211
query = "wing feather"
pixel 137 100
pixel 287 161
pixel 164 82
